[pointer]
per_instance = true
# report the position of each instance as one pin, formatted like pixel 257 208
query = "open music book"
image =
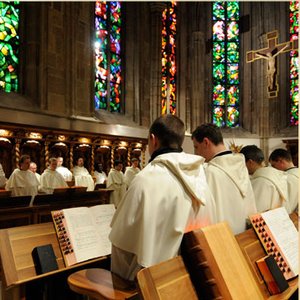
pixel 83 232
pixel 279 237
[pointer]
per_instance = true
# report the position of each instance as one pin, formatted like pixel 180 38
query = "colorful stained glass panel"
pixel 168 59
pixel 9 46
pixel 226 64
pixel 294 64
pixel 108 56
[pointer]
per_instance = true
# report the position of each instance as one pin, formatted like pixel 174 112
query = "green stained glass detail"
pixel 233 54
pixel 219 73
pixel 219 52
pixel 218 11
pixel 225 69
pixel 219 95
pixel 233 10
pixel 9 46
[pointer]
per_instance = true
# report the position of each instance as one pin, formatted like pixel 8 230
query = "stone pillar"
pixel 155 70
pixel 199 112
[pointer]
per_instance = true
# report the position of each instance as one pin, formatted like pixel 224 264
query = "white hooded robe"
pixel 169 197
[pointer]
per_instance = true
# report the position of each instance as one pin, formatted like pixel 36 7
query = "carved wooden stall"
pixel 41 144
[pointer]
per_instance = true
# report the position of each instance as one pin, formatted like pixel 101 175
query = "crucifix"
pixel 269 54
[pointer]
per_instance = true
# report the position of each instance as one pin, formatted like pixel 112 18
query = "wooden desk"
pixel 16 245
pixel 253 250
pixel 15 211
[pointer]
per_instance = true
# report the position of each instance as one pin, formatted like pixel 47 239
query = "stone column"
pixel 199 111
pixel 155 71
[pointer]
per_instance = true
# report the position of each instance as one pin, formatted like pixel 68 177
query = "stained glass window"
pixel 168 89
pixel 108 69
pixel 226 45
pixel 9 46
pixel 294 64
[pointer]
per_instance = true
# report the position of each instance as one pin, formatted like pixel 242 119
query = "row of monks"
pixel 25 181
pixel 178 192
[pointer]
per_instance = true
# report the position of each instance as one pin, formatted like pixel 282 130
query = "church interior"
pixel 87 79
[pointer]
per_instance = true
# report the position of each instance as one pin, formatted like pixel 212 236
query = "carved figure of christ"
pixel 269 54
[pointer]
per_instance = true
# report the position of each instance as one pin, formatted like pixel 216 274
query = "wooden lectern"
pixel 16 245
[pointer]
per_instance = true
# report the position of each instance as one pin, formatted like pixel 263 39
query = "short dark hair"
pixel 169 130
pixel 254 153
pixel 280 153
pixel 23 158
pixel 117 162
pixel 210 131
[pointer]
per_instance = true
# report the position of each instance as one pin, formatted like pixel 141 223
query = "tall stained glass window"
pixel 294 64
pixel 108 56
pixel 9 46
pixel 226 46
pixel 168 88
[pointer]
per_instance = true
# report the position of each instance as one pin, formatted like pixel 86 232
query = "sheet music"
pixel 88 230
pixel 285 233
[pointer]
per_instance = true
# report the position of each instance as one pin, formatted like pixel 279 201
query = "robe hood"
pixel 234 167
pixel 277 177
pixel 187 169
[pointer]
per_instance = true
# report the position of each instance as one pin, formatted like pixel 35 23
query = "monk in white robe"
pixel 269 185
pixel 131 171
pixel 82 176
pixel 22 182
pixel 227 177
pixel 33 169
pixel 51 179
pixel 167 198
pixel 116 182
pixel 293 188
pixel 65 172
pixel 282 160
pixel 100 176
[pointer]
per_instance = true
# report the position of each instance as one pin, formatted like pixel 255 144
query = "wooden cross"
pixel 270 54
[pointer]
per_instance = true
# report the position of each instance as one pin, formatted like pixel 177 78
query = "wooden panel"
pixel 167 280
pixel 23 214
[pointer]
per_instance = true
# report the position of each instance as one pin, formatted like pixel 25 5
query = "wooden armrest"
pixel 101 284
